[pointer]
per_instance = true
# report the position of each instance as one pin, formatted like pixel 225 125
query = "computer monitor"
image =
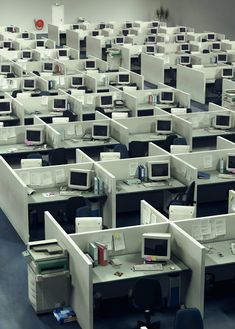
pixel 100 131
pixel 102 26
pixel 106 156
pixel 211 36
pixel 5 107
pixel 26 54
pixel 180 38
pixel 30 163
pixel 90 64
pixel 119 115
pixel 150 49
pixel 184 47
pixel 34 136
pixel 163 126
pixel 230 163
pixel 156 246
pixel 153 30
pixel 59 104
pixel 40 43
pixel 158 170
pixel 77 81
pixel 222 58
pixel 185 60
pixel 166 97
pixel 29 84
pixel 10 29
pixel 48 67
pixel 154 24
pixel 88 224
pixel 106 101
pixel 123 78
pixel 119 40
pixel 5 68
pixel 182 29
pixel 222 121
pixel 227 73
pixel 125 32
pixel 151 38
pixel 128 25
pixel 75 26
pixel 79 179
pixel 95 33
pixel 7 44
pixel 216 46
pixel 25 35
pixel 60 119
pixel 63 53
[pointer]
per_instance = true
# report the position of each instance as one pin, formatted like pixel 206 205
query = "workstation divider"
pixel 72 39
pixel 150 215
pixel 183 128
pixel 152 68
pixel 119 132
pixel 231 201
pixel 154 149
pixel 53 33
pixel 82 157
pixel 223 143
pixel 94 46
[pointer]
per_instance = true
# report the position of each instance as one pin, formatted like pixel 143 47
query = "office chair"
pixel 36 73
pixel 36 155
pixel 188 318
pixel 171 81
pixel 138 149
pixel 179 141
pixel 58 157
pixel 186 198
pixel 10 75
pixel 169 141
pixel 15 92
pixel 215 93
pixel 205 51
pixel 122 149
pixel 147 296
pixel 71 115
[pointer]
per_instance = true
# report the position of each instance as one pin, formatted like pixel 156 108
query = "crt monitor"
pixel 156 246
pixel 125 32
pixel 180 38
pixel 182 29
pixel 102 26
pixel 119 40
pixel 185 60
pixel 95 33
pixel 150 49
pixel 210 37
pixel 216 46
pixel 158 170
pixel 166 97
pixel 163 126
pixel 154 24
pixel 90 64
pixel 5 68
pixel 222 121
pixel 185 47
pixel 7 44
pixel 29 84
pixel 151 39
pixel 34 136
pixel 230 163
pixel 153 30
pixel 77 81
pixel 25 35
pixel 63 52
pixel 5 106
pixel 100 131
pixel 10 29
pixel 128 25
pixel 222 58
pixel 79 179
pixel 227 73
pixel 48 67
pixel 75 26
pixel 123 78
pixel 106 101
pixel 27 54
pixel 40 43
pixel 59 104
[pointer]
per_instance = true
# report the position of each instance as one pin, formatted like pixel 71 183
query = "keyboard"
pixel 148 267
pixel 154 184
pixel 226 176
pixel 70 193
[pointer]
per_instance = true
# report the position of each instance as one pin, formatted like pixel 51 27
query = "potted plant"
pixel 162 14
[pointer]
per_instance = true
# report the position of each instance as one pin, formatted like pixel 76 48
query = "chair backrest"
pixel 122 149
pixel 15 92
pixel 169 141
pixel 147 294
pixel 188 318
pixel 72 204
pixel 58 156
pixel 138 149
pixel 179 141
pixel 189 194
pixel 181 212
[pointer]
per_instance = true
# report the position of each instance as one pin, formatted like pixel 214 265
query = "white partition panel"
pixel 222 143
pixel 231 201
pixel 152 68
pixel 126 58
pixel 150 215
pixel 72 39
pixel 80 270
pixel 82 157
pixel 53 33
pixel 119 132
pixel 156 150
pixel 93 47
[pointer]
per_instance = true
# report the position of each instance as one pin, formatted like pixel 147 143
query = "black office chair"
pixel 147 296
pixel 122 149
pixel 205 51
pixel 138 149
pixel 58 157
pixel 36 73
pixel 15 92
pixel 179 141
pixel 215 94
pixel 186 198
pixel 171 81
pixel 188 318
pixel 10 75
pixel 169 141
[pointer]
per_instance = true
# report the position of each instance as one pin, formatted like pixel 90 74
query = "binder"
pixel 102 254
pixel 93 252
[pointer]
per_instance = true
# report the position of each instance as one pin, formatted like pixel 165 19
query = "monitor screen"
pixel 79 179
pixel 40 43
pixel 158 170
pixel 166 97
pixel 163 126
pixel 150 49
pixel 128 25
pixel 106 101
pixel 48 67
pixel 102 26
pixel 227 73
pixel 123 78
pixel 154 24
pixel 182 29
pixel 230 163
pixel 222 121
pixel 63 53
pixel 5 107
pixel 185 47
pixel 119 40
pixel 7 44
pixel 10 29
pixel 77 81
pixel 151 38
pixel 185 60
pixel 29 84
pixel 90 64
pixel 145 112
pixel 100 131
pixel 95 33
pixel 153 31
pixel 211 37
pixel 222 58
pixel 5 68
pixel 180 38
pixel 34 136
pixel 26 54
pixel 75 26
pixel 156 246
pixel 59 104
pixel 216 46
pixel 125 32
pixel 25 35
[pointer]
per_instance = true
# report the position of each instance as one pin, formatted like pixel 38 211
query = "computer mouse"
pixel 172 268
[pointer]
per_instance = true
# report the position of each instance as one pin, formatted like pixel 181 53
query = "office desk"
pixel 206 137
pixel 147 137
pixel 10 120
pixel 137 192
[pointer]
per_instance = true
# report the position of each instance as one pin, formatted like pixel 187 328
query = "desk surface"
pixel 22 148
pixel 102 274
pixel 215 250
pixel 204 132
pixel 147 137
pixel 214 179
pixel 76 142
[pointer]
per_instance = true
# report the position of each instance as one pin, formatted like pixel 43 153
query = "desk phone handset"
pixel 118 103
pixel 233 248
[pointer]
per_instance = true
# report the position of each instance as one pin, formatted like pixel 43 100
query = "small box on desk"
pixel 64 314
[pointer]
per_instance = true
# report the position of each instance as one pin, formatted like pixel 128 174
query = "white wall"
pixel 210 15
pixel 22 13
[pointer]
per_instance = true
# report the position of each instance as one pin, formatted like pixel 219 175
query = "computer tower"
pixel 174 291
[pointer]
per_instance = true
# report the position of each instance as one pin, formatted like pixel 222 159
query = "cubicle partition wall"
pixel 154 149
pixel 231 201
pixel 94 46
pixel 82 157
pixel 73 39
pixel 53 33
pixel 183 128
pixel 150 215
pixel 152 68
pixel 119 132
pixel 222 143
